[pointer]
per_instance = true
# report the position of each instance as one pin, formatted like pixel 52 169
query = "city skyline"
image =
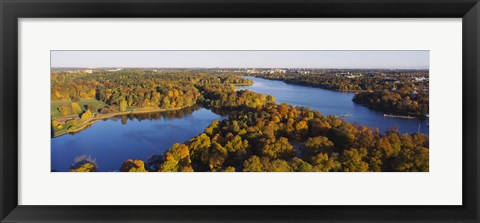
pixel 242 59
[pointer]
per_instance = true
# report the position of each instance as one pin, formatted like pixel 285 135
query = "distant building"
pixel 420 79
pixel 277 71
pixel 304 72
pixel 114 70
pixel 351 76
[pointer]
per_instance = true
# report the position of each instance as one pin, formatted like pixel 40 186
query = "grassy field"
pixel 82 102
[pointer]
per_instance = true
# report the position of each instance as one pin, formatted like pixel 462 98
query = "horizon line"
pixel 379 68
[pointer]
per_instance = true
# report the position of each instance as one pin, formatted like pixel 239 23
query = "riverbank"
pixel 97 117
pixel 392 113
pixel 373 107
pixel 310 85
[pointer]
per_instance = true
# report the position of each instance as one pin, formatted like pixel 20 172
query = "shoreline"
pixel 392 112
pixel 312 85
pixel 421 117
pixel 97 117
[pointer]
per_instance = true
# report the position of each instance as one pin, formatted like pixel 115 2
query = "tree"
pixel 86 115
pixel 64 109
pixel 133 166
pixel 86 167
pixel 322 162
pixel 236 144
pixel 229 169
pixel 218 155
pixel 280 165
pixel 170 164
pixel 166 102
pixel 76 109
pixel 56 125
pixel 123 105
pixel 316 145
pixel 177 159
pixel 352 161
pixel 211 129
pixel 298 165
pixel 280 148
pixel 84 163
pixel 253 164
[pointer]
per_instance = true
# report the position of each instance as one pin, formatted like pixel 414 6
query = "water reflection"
pixel 167 115
pixel 139 136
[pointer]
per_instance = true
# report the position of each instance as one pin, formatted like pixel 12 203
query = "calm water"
pixel 334 103
pixel 115 140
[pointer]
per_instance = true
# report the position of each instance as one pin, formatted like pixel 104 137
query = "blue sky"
pixel 243 59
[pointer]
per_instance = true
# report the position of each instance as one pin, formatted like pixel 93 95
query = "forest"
pixel 393 92
pixel 78 97
pixel 258 135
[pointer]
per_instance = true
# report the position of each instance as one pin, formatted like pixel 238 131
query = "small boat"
pixel 398 116
pixel 343 115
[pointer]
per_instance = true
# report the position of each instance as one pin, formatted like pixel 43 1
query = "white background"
pixel 441 186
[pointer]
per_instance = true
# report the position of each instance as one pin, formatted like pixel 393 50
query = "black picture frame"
pixel 12 10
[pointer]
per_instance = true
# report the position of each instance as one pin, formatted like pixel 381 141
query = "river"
pixel 330 102
pixel 112 141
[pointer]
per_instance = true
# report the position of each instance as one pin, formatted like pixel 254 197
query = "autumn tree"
pixel 133 166
pixel 280 148
pixel 352 160
pixel 253 164
pixel 87 115
pixel 76 109
pixel 177 159
pixel 123 105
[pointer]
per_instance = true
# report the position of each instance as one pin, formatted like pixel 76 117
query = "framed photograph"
pixel 255 111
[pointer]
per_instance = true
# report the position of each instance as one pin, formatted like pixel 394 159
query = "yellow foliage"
pixel 87 115
pixel 301 125
pixel 76 108
pixel 123 106
pixel 86 167
pixel 58 95
pixel 133 166
pixel 55 123
pixel 276 119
